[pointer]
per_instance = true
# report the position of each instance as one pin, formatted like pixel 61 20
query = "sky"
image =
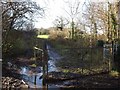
pixel 53 9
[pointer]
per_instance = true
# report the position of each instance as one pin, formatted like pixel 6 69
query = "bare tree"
pixel 102 17
pixel 94 16
pixel 60 23
pixel 118 19
pixel 73 11
pixel 16 14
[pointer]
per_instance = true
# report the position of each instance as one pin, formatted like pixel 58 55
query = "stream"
pixel 29 76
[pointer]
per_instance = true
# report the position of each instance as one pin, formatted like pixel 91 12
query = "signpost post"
pixel 35 48
pixel 45 57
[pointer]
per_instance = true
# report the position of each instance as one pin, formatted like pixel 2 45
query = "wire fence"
pixel 84 60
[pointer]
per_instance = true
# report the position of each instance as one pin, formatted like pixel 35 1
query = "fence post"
pixel 45 62
pixel 46 57
pixel 91 57
pixel 82 60
pixel 35 64
pixel 35 79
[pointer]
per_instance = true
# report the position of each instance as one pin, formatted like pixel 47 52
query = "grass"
pixel 87 71
pixel 33 65
pixel 43 36
pixel 114 73
pixel 92 60
pixel 79 59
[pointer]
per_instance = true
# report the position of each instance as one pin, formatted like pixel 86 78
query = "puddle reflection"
pixel 29 74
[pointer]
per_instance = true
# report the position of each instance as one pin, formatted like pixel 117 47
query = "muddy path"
pixel 57 79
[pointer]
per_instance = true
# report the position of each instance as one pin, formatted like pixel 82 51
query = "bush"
pixel 19 43
pixel 100 43
pixel 19 47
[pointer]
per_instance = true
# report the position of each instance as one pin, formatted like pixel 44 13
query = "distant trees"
pixel 42 31
pixel 60 23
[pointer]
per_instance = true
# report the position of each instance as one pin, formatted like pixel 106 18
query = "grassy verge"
pixel 43 36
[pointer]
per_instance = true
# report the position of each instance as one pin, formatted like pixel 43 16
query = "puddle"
pixel 29 76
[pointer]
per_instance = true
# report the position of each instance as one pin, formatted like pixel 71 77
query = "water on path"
pixel 29 75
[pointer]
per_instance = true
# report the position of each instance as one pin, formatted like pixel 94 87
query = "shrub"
pixel 100 43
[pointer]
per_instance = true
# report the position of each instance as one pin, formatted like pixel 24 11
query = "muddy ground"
pixel 70 80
